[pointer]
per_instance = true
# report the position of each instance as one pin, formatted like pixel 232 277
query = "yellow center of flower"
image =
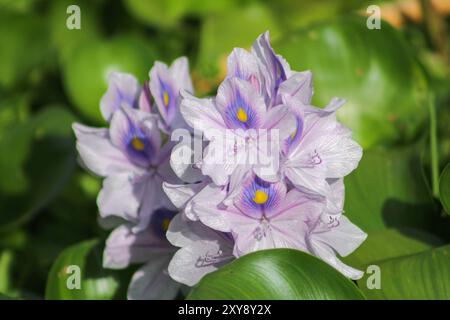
pixel 166 99
pixel 165 224
pixel 137 144
pixel 260 197
pixel 242 115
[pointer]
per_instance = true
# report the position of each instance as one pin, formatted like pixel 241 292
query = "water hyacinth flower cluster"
pixel 265 170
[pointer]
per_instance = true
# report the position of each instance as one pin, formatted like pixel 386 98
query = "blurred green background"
pixel 396 81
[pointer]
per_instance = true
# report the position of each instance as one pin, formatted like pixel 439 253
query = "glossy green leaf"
pixel 86 72
pixel 168 13
pixel 294 14
pixel 25 47
pixel 374 70
pixel 425 275
pixel 54 120
pixel 391 243
pixel 276 274
pixel 48 168
pixel 388 190
pixel 66 40
pixel 444 188
pixel 235 28
pixel 96 283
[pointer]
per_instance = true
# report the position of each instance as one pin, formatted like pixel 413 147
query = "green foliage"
pixel 391 243
pixel 389 190
pixel 25 47
pixel 51 76
pixel 276 274
pixel 444 188
pixel 424 275
pixel 96 283
pixel 373 69
pixel 86 71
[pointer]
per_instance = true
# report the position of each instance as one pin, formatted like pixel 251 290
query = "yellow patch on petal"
pixel 294 133
pixel 137 144
pixel 242 115
pixel 165 224
pixel 166 99
pixel 260 197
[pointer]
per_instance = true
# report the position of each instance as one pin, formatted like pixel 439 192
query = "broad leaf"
pixel 374 70
pixel 388 190
pixel 276 274
pixel 50 165
pixel 391 243
pixel 424 275
pixel 235 28
pixel 95 282
pixel 444 188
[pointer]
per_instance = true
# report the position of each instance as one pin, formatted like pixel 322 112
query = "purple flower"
pixel 130 158
pixel 150 247
pixel 266 216
pixel 235 123
pixel 165 86
pixel 123 91
pixel 319 149
pixel 203 250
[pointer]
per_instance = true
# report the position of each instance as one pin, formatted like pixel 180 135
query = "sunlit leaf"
pixel 96 283
pixel 276 274
pixel 388 190
pixel 234 28
pixel 391 243
pixel 374 70
pixel 424 275
pixel 86 72
pixel 444 188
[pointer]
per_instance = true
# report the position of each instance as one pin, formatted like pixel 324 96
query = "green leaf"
pixel 391 243
pixel 444 188
pixel 276 274
pixel 54 120
pixel 86 71
pixel 424 275
pixel 48 168
pixel 374 70
pixel 388 190
pixel 235 28
pixel 168 13
pixel 3 297
pixel 25 47
pixel 295 14
pixel 96 283
pixel 66 40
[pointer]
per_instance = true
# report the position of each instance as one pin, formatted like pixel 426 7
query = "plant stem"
pixel 434 146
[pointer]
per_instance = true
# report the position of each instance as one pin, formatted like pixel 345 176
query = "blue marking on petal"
pixel 240 114
pixel 167 96
pixel 297 134
pixel 139 146
pixel 259 196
